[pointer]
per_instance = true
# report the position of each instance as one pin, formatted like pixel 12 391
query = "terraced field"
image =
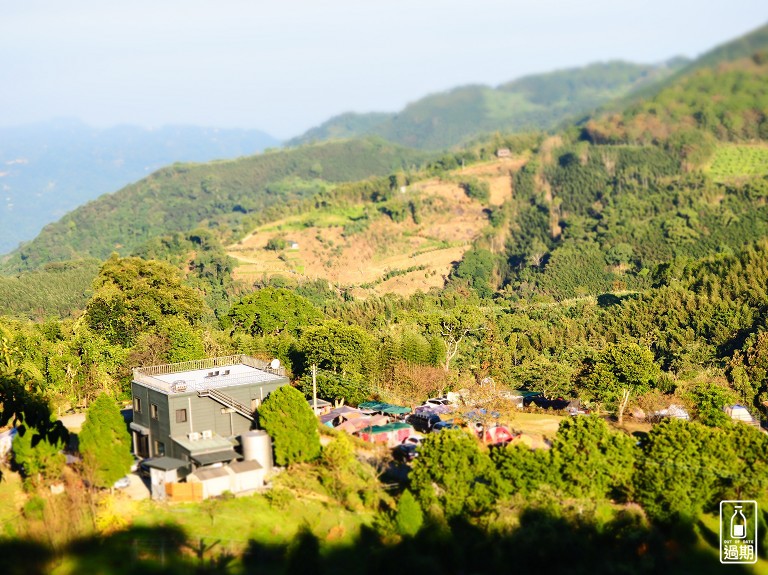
pixel 383 255
pixel 738 161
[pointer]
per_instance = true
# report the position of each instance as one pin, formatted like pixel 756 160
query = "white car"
pixel 438 401
pixel 413 440
pixel 439 405
pixel 122 483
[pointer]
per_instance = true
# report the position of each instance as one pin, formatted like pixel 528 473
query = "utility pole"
pixel 314 388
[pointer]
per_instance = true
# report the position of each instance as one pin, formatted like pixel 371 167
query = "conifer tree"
pixel 409 517
pixel 105 444
pixel 286 416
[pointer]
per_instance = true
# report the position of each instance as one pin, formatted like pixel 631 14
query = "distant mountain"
pixel 742 47
pixel 50 168
pixel 754 43
pixel 226 195
pixel 537 102
pixel 710 113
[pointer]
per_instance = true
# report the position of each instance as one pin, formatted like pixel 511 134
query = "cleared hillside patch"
pixel 738 161
pixel 408 243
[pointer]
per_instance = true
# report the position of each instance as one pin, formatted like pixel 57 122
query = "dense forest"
pixel 627 269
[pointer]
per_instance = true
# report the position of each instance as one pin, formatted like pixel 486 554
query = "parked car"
pixel 405 452
pixel 423 421
pixel 440 425
pixel 122 483
pixel 413 440
pixel 439 401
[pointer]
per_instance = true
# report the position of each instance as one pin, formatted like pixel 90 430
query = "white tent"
pixel 739 413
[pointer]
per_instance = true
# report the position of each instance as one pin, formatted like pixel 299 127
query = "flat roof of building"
pixel 218 372
pixel 203 444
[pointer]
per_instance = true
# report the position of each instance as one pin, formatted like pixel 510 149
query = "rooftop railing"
pixel 148 375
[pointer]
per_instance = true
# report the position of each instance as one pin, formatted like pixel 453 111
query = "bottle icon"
pixel 738 524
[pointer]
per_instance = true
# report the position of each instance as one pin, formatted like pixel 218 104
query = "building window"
pixel 181 415
pixel 159 448
pixel 137 405
pixel 153 410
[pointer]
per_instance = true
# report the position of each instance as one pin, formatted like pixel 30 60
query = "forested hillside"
pixel 538 102
pixel 231 196
pixel 621 263
pixel 51 168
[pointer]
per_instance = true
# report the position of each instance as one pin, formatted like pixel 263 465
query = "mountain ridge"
pixel 533 102
pixel 63 163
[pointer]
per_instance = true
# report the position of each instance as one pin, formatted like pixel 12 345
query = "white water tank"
pixel 257 446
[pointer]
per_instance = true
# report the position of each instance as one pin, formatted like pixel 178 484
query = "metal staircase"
pixel 227 401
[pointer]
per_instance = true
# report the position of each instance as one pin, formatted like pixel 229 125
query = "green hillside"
pixel 727 103
pixel 230 196
pixel 537 102
pixel 621 264
pixel 751 45
pixel 51 168
pixel 742 47
pixel 343 126
pixel 55 290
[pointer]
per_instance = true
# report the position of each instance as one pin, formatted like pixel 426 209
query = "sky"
pixel 286 66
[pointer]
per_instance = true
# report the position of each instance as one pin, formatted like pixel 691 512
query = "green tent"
pixel 382 407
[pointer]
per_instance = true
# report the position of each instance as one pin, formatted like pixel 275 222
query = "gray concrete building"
pixel 193 411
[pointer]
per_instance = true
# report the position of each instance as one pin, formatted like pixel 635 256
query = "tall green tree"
pixel 105 444
pixel 681 471
pixel 453 474
pixel 350 387
pixel 454 327
pixel 132 296
pixel 271 311
pixel 621 370
pixel 286 416
pixel 748 477
pixel 592 460
pixel 40 457
pixel 408 517
pixel 523 470
pixel 336 346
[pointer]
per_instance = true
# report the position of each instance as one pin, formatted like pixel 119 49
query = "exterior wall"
pixel 142 394
pixel 248 480
pixel 159 426
pixel 214 486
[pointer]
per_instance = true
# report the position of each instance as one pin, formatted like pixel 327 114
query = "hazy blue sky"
pixel 285 66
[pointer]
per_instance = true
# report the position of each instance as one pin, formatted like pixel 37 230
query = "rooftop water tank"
pixel 257 446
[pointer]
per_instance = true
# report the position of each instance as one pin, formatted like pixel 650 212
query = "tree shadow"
pixel 545 540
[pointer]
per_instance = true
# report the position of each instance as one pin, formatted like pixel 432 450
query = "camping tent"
pixel 740 413
pixel 386 408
